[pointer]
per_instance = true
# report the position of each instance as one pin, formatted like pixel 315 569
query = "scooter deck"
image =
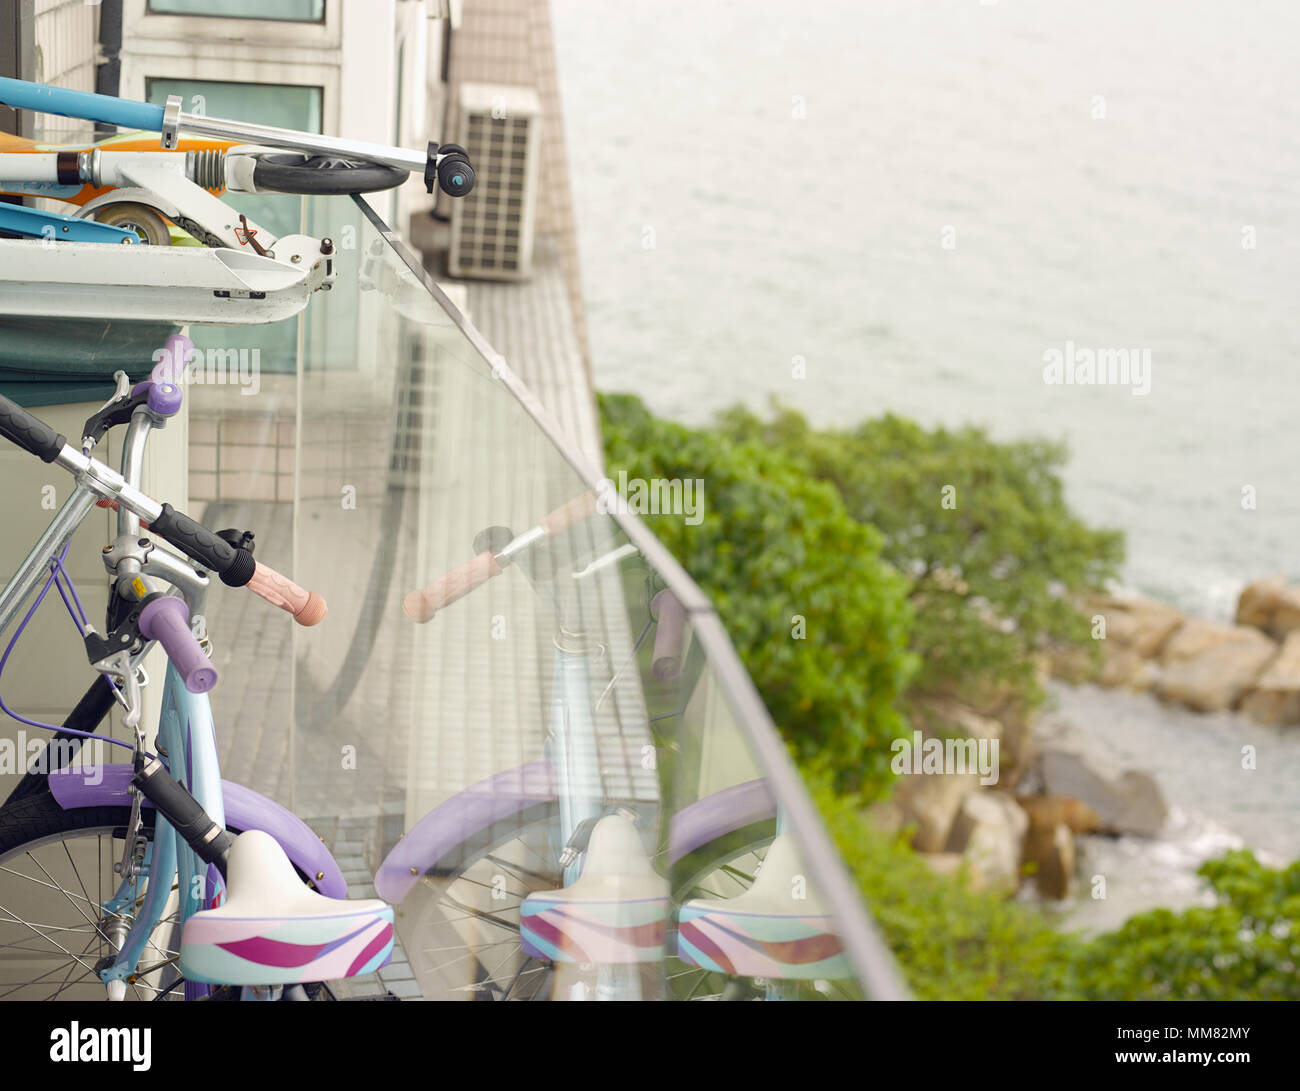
pixel 182 285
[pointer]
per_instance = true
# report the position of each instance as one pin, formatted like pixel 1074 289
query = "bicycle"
pixel 700 898
pixel 212 884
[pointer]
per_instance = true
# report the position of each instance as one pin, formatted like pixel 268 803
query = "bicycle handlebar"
pixel 566 515
pixel 307 607
pixel 421 605
pixel 670 627
pixel 236 567
pixel 167 620
pixel 28 432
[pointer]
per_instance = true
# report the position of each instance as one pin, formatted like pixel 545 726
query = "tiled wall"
pixel 509 41
pixel 250 456
pixel 66 34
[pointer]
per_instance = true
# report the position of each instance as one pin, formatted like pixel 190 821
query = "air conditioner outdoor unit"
pixel 492 228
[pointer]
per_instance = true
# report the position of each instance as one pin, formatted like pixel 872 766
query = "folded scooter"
pixel 110 259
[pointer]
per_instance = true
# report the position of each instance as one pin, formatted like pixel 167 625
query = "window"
pixel 286 106
pixel 285 11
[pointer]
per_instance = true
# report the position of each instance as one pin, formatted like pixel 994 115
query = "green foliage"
pixel 1246 947
pixel 840 527
pixel 849 530
pixel 775 545
pixel 980 527
pixel 952 943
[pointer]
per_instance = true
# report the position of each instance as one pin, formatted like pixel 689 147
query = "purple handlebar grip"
pixel 165 398
pixel 670 621
pixel 170 360
pixel 167 621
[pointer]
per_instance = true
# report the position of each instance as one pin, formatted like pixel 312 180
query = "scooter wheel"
pixel 143 220
pixel 323 175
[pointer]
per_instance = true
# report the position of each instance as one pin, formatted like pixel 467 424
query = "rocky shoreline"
pixel 1023 828
pixel 1252 666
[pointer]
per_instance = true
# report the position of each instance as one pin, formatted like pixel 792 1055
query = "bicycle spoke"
pixel 59 888
pixel 33 879
pixel 76 874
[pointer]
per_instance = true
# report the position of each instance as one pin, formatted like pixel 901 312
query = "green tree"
pixel 1245 947
pixel 820 621
pixel 981 529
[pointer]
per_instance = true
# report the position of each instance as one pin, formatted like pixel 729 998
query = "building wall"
pixel 510 41
pixel 66 33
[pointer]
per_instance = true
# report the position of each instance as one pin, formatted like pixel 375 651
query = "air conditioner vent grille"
pixel 492 228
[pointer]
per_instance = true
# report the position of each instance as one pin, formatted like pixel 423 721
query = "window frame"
pixel 249 33
pixel 149 9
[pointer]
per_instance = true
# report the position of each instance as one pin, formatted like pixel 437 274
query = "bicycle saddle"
pixel 274 930
pixel 614 913
pixel 778 928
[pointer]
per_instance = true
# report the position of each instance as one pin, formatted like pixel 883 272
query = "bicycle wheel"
pixel 56 868
pixel 459 925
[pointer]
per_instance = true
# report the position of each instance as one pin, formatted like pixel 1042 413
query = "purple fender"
pixel 497 798
pixel 245 810
pixel 457 820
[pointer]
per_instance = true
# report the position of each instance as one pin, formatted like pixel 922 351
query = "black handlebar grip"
pixel 174 802
pixel 234 566
pixel 34 435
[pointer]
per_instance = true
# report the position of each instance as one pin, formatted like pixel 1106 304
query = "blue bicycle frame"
pixel 186 736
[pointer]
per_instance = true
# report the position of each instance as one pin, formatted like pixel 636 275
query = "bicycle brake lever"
pixel 117 410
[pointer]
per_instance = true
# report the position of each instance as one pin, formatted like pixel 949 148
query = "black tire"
pixel 38 819
pixel 323 175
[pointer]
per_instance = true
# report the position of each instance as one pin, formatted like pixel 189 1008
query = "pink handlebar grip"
pixel 422 605
pixel 574 511
pixel 307 607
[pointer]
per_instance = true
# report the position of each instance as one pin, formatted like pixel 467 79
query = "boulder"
pixel 1286 618
pixel 1124 668
pixel 1209 667
pixel 930 802
pixel 1140 624
pixel 1270 605
pixel 1275 696
pixel 1257 602
pixel 1142 808
pixel 989 832
pixel 1049 855
pixel 1047 811
pixel 1133 804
